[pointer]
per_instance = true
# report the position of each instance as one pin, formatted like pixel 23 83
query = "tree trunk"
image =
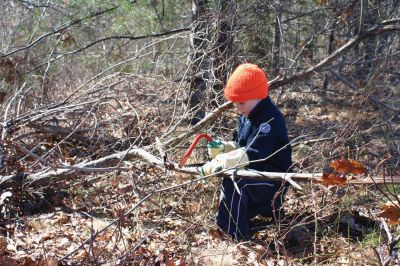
pixel 223 48
pixel 200 63
pixel 331 39
pixel 364 54
pixel 277 44
pixel 212 48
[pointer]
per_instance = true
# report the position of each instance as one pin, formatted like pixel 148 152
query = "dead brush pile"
pixel 73 194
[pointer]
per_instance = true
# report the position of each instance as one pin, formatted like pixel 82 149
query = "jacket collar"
pixel 263 105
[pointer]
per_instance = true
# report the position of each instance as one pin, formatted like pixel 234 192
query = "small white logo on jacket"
pixel 265 128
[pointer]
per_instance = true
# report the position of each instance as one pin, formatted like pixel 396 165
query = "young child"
pixel 261 143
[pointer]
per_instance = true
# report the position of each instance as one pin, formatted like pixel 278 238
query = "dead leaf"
pixel 123 188
pixel 62 218
pixel 28 261
pixel 97 224
pixel 45 261
pixel 193 207
pixel 170 262
pixel 358 168
pixel 215 233
pixel 391 212
pixel 345 166
pixel 7 261
pixel 63 242
pixel 3 246
pixel 322 2
pixel 331 180
pixel 49 261
pixel 44 237
pixel 180 262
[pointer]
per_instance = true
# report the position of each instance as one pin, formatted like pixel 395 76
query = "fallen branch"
pixel 66 170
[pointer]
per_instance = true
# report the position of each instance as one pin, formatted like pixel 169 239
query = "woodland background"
pixel 96 94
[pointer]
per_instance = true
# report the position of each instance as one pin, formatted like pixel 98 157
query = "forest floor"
pixel 82 220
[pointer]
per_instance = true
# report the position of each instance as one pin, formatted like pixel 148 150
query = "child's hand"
pixel 235 158
pixel 216 147
pixel 211 168
pixel 232 159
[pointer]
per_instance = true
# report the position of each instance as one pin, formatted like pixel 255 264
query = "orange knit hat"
pixel 247 82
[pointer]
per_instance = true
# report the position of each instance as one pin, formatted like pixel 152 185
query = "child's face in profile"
pixel 246 107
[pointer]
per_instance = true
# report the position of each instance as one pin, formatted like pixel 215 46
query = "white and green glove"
pixel 216 147
pixel 225 161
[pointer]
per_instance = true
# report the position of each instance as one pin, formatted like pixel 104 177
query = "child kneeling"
pixel 261 143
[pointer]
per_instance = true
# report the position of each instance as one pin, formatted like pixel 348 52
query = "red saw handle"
pixel 194 143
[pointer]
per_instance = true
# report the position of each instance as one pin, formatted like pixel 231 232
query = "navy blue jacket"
pixel 263 133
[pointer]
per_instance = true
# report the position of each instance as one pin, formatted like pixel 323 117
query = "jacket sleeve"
pixel 264 142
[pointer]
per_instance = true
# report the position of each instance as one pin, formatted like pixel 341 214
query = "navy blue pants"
pixel 256 197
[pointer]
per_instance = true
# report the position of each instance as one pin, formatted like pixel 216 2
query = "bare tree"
pixel 212 48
